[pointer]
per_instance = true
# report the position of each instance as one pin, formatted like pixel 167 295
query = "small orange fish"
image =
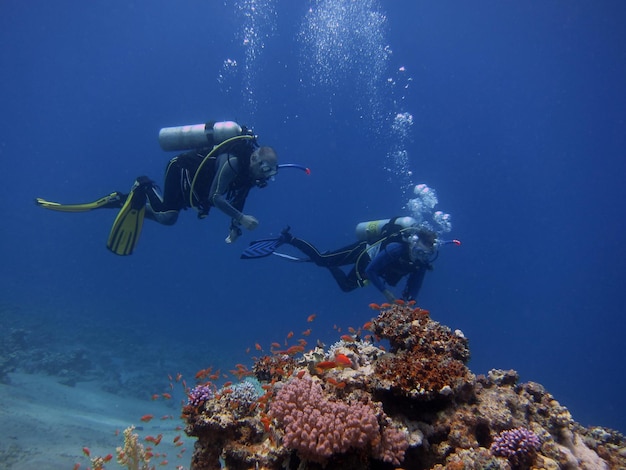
pixel 164 463
pixel 167 396
pixel 336 383
pixel 343 360
pixel 86 451
pixel 367 325
pixel 300 374
pixel 177 438
pixel 179 443
pixel 258 347
pixel 76 466
pixel 155 396
pixel 146 418
pixel 306 332
pixel 266 423
pixel 178 377
pixel 290 335
pixel 400 302
pixel 325 365
pixel 107 458
pixel 275 345
pixel 311 317
pixel 294 350
pixel 374 306
pixel 347 338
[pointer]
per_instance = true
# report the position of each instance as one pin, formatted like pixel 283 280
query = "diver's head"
pixel 422 244
pixel 263 165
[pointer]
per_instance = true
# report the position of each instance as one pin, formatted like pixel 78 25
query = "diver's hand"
pixel 389 295
pixel 234 234
pixel 249 222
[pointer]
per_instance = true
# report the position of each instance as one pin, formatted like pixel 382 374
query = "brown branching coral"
pixel 427 358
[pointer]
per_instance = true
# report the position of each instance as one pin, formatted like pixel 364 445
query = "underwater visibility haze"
pixel 500 124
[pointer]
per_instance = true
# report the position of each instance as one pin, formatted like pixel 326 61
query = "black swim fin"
pixel 261 248
pixel 267 246
pixel 129 221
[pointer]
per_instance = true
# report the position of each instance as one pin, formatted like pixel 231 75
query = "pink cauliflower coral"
pixel 318 428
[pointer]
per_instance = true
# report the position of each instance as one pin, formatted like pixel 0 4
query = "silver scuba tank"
pixel 371 231
pixel 197 135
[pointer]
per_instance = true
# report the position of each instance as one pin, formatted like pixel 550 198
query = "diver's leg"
pixel 164 209
pixel 346 282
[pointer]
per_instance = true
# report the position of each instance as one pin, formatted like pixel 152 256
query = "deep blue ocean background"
pixel 518 122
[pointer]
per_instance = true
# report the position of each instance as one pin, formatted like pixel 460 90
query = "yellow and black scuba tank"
pixel 374 230
pixel 196 136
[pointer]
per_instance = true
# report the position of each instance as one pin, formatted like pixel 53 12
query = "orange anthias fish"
pixel 311 317
pixel 325 365
pixel 146 418
pixel 342 360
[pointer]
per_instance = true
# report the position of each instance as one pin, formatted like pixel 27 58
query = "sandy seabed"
pixel 45 425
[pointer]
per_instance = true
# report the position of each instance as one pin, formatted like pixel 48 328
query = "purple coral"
pixel 518 445
pixel 199 394
pixel 317 427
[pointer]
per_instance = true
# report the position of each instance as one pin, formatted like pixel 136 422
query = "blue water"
pixel 518 123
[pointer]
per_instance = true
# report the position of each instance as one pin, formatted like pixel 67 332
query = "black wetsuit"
pixel 223 182
pixel 389 265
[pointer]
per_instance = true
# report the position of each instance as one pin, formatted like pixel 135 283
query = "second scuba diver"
pixel 225 163
pixel 386 251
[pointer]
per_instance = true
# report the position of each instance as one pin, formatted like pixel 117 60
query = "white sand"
pixel 45 425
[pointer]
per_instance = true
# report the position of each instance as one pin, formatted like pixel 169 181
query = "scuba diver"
pixel 224 163
pixel 386 251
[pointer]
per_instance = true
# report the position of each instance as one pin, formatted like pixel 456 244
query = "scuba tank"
pixel 372 231
pixel 199 135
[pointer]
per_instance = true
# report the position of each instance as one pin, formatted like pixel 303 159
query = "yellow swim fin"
pixel 110 201
pixel 128 223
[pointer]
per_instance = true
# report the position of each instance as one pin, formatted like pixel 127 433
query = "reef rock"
pixel 416 406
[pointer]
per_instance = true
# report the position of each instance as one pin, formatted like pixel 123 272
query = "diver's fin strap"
pixel 113 200
pixel 292 258
pixel 128 223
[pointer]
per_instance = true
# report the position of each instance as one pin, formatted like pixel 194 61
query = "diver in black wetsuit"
pixel 388 251
pixel 225 163
pixel 224 183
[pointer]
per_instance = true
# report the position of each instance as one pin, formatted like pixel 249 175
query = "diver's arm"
pixel 224 176
pixel 414 284
pixel 377 266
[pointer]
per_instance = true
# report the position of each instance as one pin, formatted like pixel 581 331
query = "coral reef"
pixel 418 406
pixel 519 446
